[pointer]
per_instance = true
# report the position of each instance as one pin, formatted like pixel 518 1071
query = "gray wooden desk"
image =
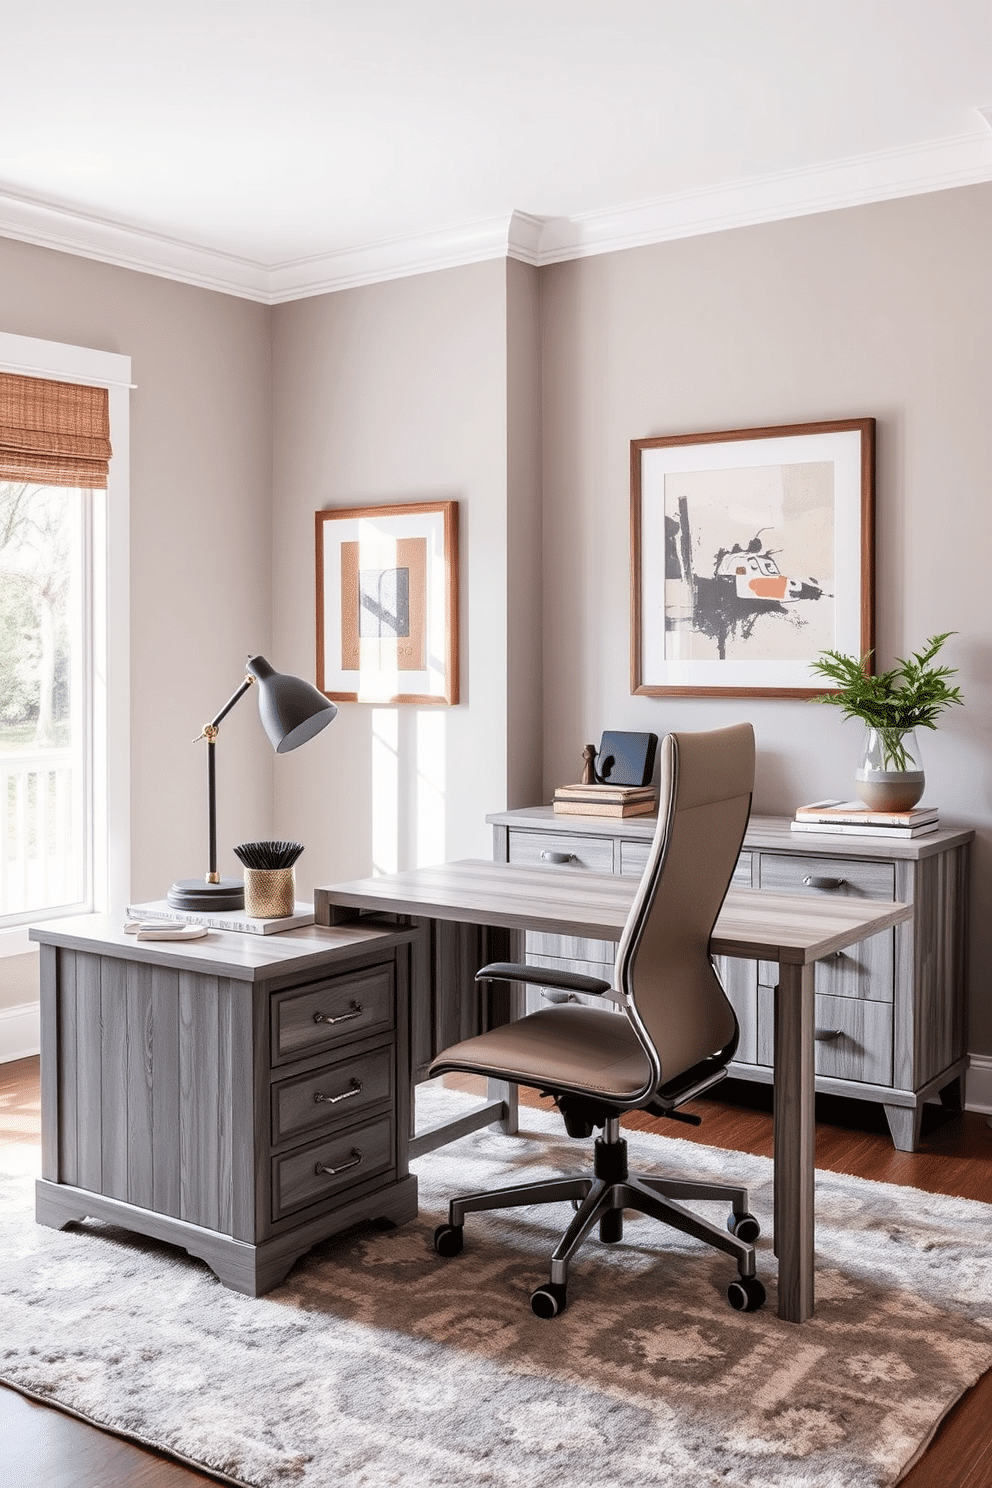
pixel 792 931
pixel 243 1096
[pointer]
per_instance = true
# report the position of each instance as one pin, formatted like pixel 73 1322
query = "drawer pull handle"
pixel 356 1012
pixel 815 881
pixel 824 1035
pixel 356 1158
pixel 332 1100
pixel 557 857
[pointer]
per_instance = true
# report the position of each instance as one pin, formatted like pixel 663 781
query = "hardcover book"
pixel 857 813
pixel 604 808
pixel 222 919
pixel 864 829
pixel 604 793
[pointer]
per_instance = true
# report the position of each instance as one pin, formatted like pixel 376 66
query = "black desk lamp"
pixel 291 712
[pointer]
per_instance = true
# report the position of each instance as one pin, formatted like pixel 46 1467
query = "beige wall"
pixel 884 310
pixel 200 530
pixel 524 619
pixel 395 393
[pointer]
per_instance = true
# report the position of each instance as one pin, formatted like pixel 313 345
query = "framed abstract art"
pixel 387 603
pixel 752 551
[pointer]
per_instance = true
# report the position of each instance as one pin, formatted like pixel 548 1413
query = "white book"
pixel 863 829
pixel 222 919
pixel 857 813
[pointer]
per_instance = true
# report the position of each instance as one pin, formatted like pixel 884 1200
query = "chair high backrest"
pixel 675 1001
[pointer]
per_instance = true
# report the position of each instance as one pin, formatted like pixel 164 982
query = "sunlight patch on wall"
pixel 385 790
pixel 431 831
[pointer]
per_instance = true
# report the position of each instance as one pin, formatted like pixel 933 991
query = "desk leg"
pixel 794 1140
pixel 507 1093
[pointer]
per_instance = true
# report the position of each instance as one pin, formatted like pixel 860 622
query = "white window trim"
pixel 111 702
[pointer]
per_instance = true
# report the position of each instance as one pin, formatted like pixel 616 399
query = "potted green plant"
pixel 892 705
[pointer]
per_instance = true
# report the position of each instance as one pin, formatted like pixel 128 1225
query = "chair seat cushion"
pixel 559 1048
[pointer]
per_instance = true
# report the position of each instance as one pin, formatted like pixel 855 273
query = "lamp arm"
pixel 210 731
pixel 235 696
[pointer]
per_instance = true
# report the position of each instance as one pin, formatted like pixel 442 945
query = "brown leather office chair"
pixel 671 1041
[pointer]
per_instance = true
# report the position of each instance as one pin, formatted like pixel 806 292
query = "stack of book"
pixel 221 919
pixel 604 800
pixel 853 818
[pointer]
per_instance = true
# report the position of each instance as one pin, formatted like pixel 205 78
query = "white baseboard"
pixel 978 1083
pixel 20 1032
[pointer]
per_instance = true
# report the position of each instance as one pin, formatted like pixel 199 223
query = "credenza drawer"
pixel 865 970
pixel 572 948
pixel 853 1042
pixel 306 1020
pixel 782 873
pixel 561 850
pixel 634 859
pixel 537 997
pixel 309 1174
pixel 332 1096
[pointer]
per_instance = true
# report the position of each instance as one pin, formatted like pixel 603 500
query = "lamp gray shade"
pixel 292 711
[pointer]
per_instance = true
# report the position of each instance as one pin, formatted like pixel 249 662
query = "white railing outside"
pixel 41 830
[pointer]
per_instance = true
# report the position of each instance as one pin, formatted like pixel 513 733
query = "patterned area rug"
pixel 379 1364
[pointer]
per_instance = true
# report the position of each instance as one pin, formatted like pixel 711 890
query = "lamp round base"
pixel 196 894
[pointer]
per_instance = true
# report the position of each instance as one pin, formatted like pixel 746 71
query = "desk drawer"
pixel 306 1020
pixel 356 1155
pixel 560 849
pixel 333 1096
pixel 782 873
pixel 860 1048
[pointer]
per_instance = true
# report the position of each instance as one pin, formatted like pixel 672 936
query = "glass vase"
pixel 890 771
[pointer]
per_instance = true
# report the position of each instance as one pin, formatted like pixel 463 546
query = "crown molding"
pixel 399 258
pixel 934 166
pixel 51 226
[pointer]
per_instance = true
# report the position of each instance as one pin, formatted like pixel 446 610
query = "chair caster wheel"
pixel 744 1226
pixel 449 1239
pixel 746 1294
pixel 548 1301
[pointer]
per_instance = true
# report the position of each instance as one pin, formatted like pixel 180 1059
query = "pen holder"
pixel 270 893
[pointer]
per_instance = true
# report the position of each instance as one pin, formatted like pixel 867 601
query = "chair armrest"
pixel 544 976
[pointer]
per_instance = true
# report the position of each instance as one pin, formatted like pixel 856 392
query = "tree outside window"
pixel 41 765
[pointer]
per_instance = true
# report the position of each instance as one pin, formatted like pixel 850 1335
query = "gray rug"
pixel 379 1364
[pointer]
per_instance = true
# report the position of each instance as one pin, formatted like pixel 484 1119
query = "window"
pixel 63 638
pixel 45 649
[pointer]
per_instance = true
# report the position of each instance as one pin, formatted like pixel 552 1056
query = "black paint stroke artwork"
pixel 746 584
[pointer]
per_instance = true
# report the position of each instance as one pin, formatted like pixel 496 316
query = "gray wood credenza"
pixel 241 1096
pixel 890 1013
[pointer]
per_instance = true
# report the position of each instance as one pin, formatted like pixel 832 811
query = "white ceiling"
pixel 278 148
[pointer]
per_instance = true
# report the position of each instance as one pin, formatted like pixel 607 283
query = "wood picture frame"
pixel 387 603
pixel 752 550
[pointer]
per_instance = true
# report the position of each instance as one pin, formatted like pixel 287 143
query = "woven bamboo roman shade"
pixel 53 433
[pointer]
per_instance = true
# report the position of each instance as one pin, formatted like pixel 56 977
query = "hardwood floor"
pixel 44 1448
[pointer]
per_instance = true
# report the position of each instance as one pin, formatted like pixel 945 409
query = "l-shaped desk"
pixel 793 931
pixel 247 1096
